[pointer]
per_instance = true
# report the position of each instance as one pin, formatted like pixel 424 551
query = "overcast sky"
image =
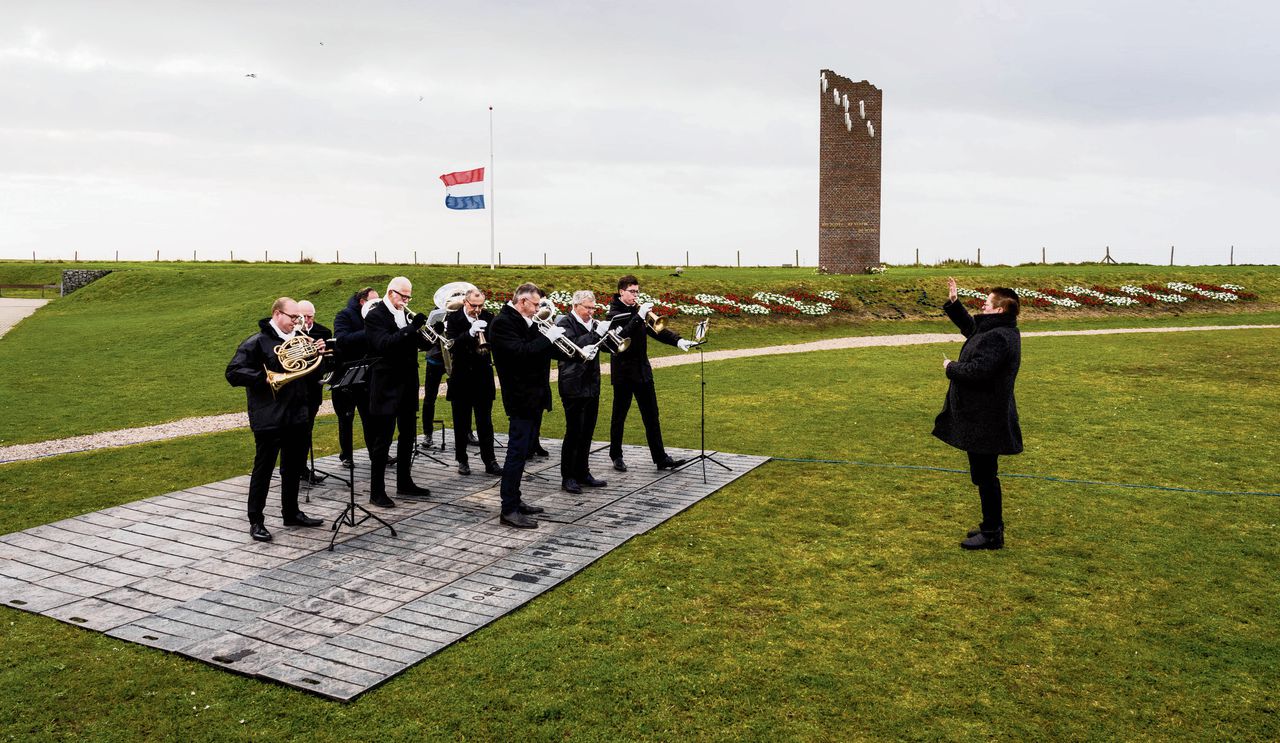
pixel 658 127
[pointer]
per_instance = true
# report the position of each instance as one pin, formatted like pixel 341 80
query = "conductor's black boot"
pixel 985 540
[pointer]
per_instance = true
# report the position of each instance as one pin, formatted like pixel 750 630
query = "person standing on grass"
pixel 980 416
pixel 279 420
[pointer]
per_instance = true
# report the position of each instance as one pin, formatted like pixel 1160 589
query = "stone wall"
pixel 76 278
pixel 848 174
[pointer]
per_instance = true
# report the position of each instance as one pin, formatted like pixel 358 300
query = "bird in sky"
pixel 252 74
pixel 419 99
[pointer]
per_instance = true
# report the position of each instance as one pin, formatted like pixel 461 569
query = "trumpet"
pixel 655 323
pixel 300 355
pixel 613 342
pixel 542 318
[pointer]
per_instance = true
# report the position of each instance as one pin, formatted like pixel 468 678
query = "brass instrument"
pixel 655 323
pixel 300 355
pixel 450 298
pixel 542 318
pixel 613 342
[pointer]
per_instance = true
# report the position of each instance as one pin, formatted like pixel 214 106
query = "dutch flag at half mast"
pixel 464 189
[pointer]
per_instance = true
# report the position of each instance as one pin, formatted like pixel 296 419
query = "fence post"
pixel 117 256
pixel 337 256
pixel 979 256
pixel 1170 255
pixel 591 258
pixel 233 256
pixel 193 256
pixel 1042 255
pixel 797 257
pixel 75 257
pixel 637 259
pixel 739 259
pixel 157 256
pixel 917 256
pixel 415 257
pixel 375 257
pixel 459 258
pixel 686 259
pixel 299 256
pixel 544 260
pixel 33 256
pixel 265 257
pixel 1232 259
pixel 499 258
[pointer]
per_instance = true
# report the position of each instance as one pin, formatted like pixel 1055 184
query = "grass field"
pixel 149 343
pixel 807 600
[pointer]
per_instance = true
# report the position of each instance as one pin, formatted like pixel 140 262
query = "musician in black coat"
pixel 393 388
pixel 471 389
pixel 279 421
pixel 980 415
pixel 352 349
pixel 315 390
pixel 632 376
pixel 579 383
pixel 522 355
pixel 435 372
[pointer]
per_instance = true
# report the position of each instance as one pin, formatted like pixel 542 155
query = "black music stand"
pixel 700 339
pixel 353 378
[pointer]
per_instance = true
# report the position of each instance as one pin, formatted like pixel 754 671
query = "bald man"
pixel 393 388
pixel 279 420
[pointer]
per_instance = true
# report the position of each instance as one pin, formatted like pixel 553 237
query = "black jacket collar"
pixel 998 320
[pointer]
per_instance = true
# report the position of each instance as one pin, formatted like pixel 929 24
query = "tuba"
pixel 300 355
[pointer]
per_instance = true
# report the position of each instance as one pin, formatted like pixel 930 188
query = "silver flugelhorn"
pixel 613 341
pixel 427 332
pixel 543 319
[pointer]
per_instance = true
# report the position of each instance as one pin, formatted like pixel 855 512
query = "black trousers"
pixel 345 404
pixel 647 400
pixel 521 436
pixel 982 471
pixel 483 412
pixel 290 445
pixel 580 414
pixel 435 373
pixel 382 428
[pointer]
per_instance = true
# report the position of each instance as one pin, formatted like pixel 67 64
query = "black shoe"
pixel 411 489
pixel 669 464
pixel 975 531
pixel 259 533
pixel 471 439
pixel 619 465
pixel 572 486
pixel 464 468
pixel 315 478
pixel 529 510
pixel 493 468
pixel 301 519
pixel 985 540
pixel 518 520
pixel 592 482
pixel 391 460
pixel 538 451
pixel 346 462
pixel 382 500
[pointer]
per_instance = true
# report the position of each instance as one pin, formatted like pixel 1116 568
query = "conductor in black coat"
pixel 471 389
pixel 579 383
pixel 393 388
pixel 522 355
pixel 353 347
pixel 632 376
pixel 980 415
pixel 279 421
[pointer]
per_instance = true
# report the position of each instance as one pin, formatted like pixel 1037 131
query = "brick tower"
pixel 848 174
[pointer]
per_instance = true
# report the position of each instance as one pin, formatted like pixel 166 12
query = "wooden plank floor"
pixel 179 571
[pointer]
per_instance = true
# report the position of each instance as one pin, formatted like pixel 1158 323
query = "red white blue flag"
pixel 464 189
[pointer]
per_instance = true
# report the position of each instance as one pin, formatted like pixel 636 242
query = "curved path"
pixel 228 421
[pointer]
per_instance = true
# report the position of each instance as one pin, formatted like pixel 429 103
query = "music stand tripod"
pixel 352 379
pixel 700 339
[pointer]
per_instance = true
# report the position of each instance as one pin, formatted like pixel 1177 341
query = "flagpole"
pixel 491 189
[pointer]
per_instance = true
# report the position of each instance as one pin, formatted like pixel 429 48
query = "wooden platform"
pixel 179 571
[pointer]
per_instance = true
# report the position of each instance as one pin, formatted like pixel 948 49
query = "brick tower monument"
pixel 848 175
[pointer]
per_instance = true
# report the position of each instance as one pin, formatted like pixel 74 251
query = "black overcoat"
pixel 393 376
pixel 315 390
pixel 472 375
pixel 247 369
pixel 632 366
pixel 980 414
pixel 522 356
pixel 578 378
pixel 348 328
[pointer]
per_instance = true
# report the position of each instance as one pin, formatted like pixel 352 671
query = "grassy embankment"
pixel 806 601
pixel 149 343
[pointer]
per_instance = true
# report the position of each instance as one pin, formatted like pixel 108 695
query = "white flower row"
pixel 1178 286
pixel 805 308
pixel 752 309
pixel 1111 299
pixel 1060 301
pixel 974 293
pixel 829 295
pixel 1233 287
pixel 694 309
pixel 1138 291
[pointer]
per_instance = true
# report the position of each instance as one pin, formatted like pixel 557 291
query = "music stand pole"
pixel 703 456
pixel 348 515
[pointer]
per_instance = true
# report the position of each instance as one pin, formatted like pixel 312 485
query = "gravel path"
pixel 229 421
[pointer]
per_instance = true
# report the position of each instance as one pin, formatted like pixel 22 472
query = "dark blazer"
pixel 348 328
pixel 472 377
pixel 579 378
pixel 980 414
pixel 248 369
pixel 522 356
pixel 632 365
pixel 393 376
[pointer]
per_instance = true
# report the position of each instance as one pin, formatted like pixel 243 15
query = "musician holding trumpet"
pixel 471 388
pixel 579 383
pixel 279 409
pixel 395 335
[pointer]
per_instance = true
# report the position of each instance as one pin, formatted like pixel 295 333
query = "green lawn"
pixel 149 343
pixel 806 601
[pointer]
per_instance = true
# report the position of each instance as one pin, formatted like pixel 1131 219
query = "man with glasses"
pixel 632 376
pixel 393 389
pixel 315 390
pixel 279 420
pixel 579 384
pixel 522 355
pixel 471 388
